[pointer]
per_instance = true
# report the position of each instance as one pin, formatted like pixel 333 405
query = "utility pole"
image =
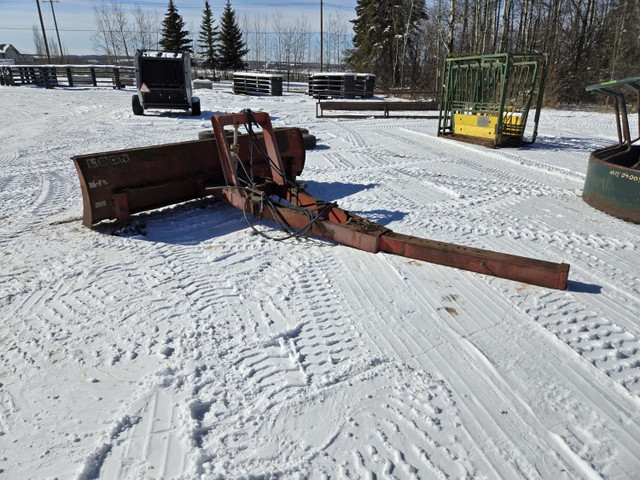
pixel 55 22
pixel 44 34
pixel 321 37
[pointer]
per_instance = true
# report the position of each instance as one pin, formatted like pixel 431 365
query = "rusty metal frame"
pixel 339 225
pixel 119 183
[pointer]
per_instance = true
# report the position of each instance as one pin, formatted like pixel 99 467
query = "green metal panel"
pixel 501 85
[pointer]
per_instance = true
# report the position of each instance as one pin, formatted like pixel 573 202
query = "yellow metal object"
pixel 481 126
pixel 484 126
pixel 513 126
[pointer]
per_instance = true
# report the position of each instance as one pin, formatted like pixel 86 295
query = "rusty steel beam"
pixel 513 267
pixel 354 231
pixel 333 223
pixel 336 224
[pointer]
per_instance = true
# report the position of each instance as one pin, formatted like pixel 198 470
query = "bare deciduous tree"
pixel 336 30
pixel 278 26
pixel 105 39
pixel 38 41
pixel 145 28
pixel 121 24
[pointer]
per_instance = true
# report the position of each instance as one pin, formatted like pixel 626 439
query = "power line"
pixel 198 6
pixel 82 30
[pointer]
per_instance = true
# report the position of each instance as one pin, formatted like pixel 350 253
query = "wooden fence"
pixel 51 76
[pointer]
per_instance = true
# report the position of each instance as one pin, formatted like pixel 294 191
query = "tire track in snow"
pixel 396 436
pixel 398 430
pixel 58 305
pixel 480 358
pixel 179 315
pixel 405 431
pixel 353 138
pixel 580 123
pixel 30 187
pixel 504 206
pixel 528 233
pixel 592 334
pixel 46 191
pixel 189 269
pixel 592 256
pixel 398 330
pixel 341 160
pixel 8 159
pixel 152 439
pixel 310 360
pixel 59 294
pixel 456 177
pixel 608 436
pixel 595 338
pixel 504 156
pixel 54 196
pixel 298 344
pixel 410 138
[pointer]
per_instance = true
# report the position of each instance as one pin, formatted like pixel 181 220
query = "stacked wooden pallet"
pixel 257 84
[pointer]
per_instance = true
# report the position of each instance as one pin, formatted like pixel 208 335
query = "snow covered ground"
pixel 189 348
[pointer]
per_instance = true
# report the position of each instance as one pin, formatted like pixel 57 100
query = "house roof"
pixel 5 47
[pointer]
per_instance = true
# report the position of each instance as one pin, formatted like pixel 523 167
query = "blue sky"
pixel 75 17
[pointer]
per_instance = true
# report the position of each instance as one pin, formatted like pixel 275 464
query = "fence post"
pixel 69 76
pixel 26 76
pixel 276 86
pixel 6 76
pixel 116 78
pixel 93 77
pixel 44 73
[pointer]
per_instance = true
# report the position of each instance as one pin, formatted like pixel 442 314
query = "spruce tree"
pixel 385 32
pixel 232 47
pixel 364 39
pixel 208 38
pixel 174 37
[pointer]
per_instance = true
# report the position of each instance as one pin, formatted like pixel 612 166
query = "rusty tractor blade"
pixel 118 183
pixel 252 173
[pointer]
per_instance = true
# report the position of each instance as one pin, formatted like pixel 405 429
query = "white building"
pixel 10 55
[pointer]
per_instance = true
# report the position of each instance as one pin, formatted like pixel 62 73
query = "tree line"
pixel 119 35
pixel 288 45
pixel 404 42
